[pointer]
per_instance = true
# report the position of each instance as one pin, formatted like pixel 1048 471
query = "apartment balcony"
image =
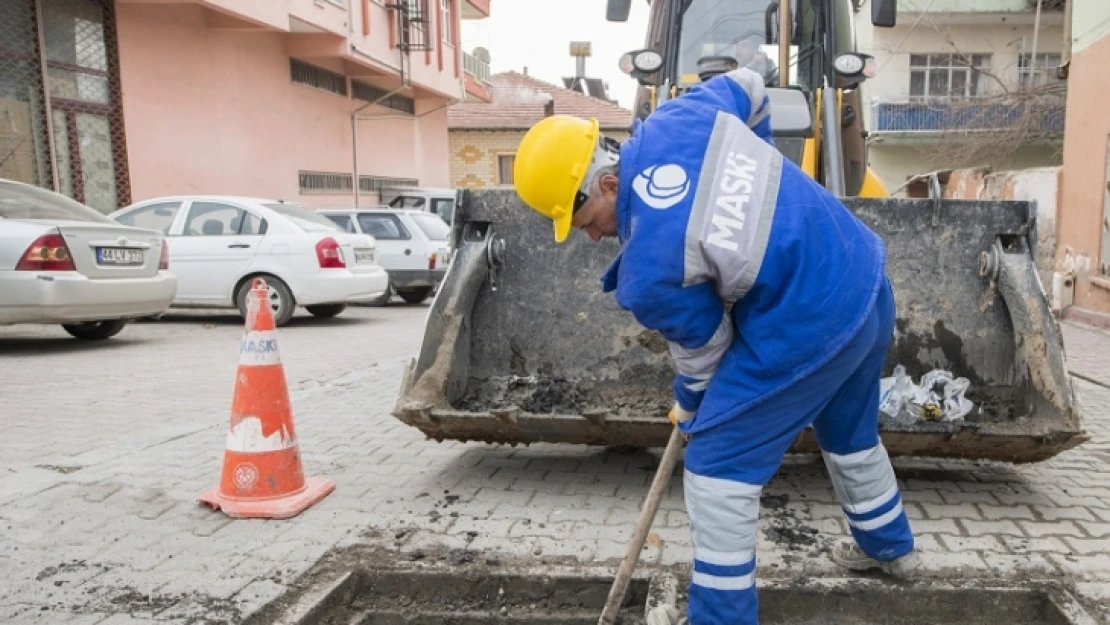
pixel 476 73
pixel 1032 120
pixel 981 11
pixel 475 9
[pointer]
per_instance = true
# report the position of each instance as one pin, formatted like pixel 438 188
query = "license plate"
pixel 364 256
pixel 118 256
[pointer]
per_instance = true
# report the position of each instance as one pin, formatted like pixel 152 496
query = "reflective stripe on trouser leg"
pixel 724 518
pixel 868 492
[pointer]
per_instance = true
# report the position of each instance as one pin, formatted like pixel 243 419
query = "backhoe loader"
pixel 521 345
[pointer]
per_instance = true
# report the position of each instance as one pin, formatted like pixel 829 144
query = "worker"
pixel 775 303
pixel 749 55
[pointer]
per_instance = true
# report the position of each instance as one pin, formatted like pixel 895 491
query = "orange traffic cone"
pixel 262 475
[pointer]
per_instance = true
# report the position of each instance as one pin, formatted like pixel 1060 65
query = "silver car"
pixel 62 262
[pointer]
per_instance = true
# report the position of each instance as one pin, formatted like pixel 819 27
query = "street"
pixel 107 445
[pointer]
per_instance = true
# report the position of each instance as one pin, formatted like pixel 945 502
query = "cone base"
pixel 315 489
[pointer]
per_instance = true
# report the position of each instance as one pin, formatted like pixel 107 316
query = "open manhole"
pixel 457 596
pixel 370 597
pixel 868 602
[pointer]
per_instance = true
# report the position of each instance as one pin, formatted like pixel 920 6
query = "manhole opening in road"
pixel 460 597
pixel 481 596
pixel 868 602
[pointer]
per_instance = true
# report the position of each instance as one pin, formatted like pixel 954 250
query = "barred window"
pixel 317 77
pixel 370 93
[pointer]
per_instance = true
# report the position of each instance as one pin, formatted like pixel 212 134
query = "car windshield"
pixel 432 226
pixel 305 219
pixel 26 202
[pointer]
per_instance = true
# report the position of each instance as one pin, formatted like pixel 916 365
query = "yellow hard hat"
pixel 551 167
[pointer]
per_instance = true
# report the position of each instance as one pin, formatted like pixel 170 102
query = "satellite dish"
pixel 481 53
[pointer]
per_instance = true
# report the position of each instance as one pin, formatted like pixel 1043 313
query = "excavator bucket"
pixel 521 345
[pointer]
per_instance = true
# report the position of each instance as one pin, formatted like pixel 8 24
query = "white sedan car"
pixel 218 244
pixel 62 262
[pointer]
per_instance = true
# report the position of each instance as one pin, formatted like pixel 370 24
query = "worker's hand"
pixel 678 415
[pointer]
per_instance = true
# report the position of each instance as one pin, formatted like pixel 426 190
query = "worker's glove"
pixel 679 415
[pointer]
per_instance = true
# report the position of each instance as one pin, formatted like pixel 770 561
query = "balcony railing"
pixel 1036 116
pixel 476 67
pixel 914 7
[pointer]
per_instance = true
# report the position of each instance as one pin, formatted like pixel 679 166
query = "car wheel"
pixel 415 296
pixel 326 311
pixel 282 303
pixel 95 330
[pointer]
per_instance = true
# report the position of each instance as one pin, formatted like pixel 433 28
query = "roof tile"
pixel 517 102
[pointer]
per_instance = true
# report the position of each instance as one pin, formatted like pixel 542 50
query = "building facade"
pixel 964 84
pixel 484 136
pixel 111 102
pixel 1083 230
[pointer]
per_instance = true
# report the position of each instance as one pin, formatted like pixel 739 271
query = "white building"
pixel 957 87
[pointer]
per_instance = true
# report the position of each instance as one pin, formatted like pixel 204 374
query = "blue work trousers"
pixel 727 466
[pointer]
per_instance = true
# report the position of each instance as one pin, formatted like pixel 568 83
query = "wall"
pixel 1090 23
pixel 473 154
pixel 895 164
pixel 216 112
pixel 1040 185
pixel 1082 225
pixel 911 7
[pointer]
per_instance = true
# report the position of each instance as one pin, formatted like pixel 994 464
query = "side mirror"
pixel 790 113
pixel 617 10
pixel 884 13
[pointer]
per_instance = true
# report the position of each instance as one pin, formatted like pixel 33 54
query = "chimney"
pixel 580 50
pixel 549 108
pixel 525 70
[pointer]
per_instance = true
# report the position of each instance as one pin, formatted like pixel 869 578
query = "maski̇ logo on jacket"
pixel 662 186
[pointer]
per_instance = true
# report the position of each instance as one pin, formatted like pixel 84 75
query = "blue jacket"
pixel 754 273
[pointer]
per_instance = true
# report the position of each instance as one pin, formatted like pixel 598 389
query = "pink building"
pixel 114 102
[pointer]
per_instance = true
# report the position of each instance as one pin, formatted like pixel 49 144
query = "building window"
pixel 370 93
pixel 317 182
pixel 445 20
pixel 505 164
pixel 949 76
pixel 317 77
pixel 1043 72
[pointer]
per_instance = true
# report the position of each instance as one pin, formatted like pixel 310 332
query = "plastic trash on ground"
pixel 938 397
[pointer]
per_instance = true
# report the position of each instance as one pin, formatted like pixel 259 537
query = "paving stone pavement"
pixel 121 539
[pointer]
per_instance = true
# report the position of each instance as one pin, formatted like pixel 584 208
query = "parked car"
pixel 62 262
pixel 218 243
pixel 414 247
pixel 433 200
